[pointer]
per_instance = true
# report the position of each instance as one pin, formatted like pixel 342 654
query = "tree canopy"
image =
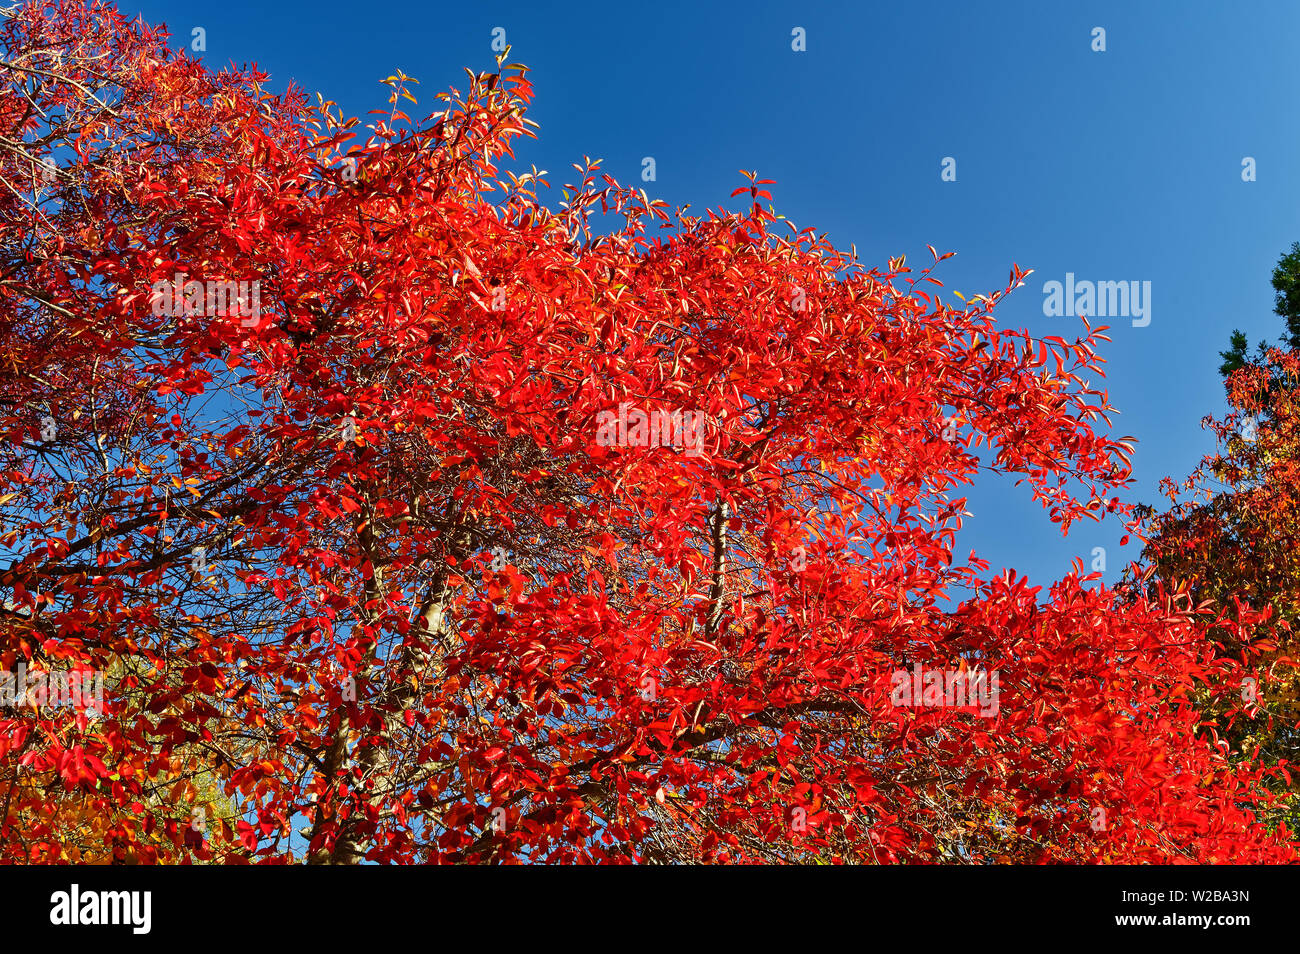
pixel 409 519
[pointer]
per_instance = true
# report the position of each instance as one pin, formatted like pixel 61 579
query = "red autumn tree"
pixel 1228 540
pixel 409 519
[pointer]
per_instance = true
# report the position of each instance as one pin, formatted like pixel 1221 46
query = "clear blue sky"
pixel 1116 165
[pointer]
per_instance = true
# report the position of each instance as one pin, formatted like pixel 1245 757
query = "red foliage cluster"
pixel 313 455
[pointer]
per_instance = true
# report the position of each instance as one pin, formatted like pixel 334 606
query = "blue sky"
pixel 1123 165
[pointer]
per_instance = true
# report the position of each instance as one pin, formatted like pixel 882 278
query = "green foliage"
pixel 1286 285
pixel 1286 305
